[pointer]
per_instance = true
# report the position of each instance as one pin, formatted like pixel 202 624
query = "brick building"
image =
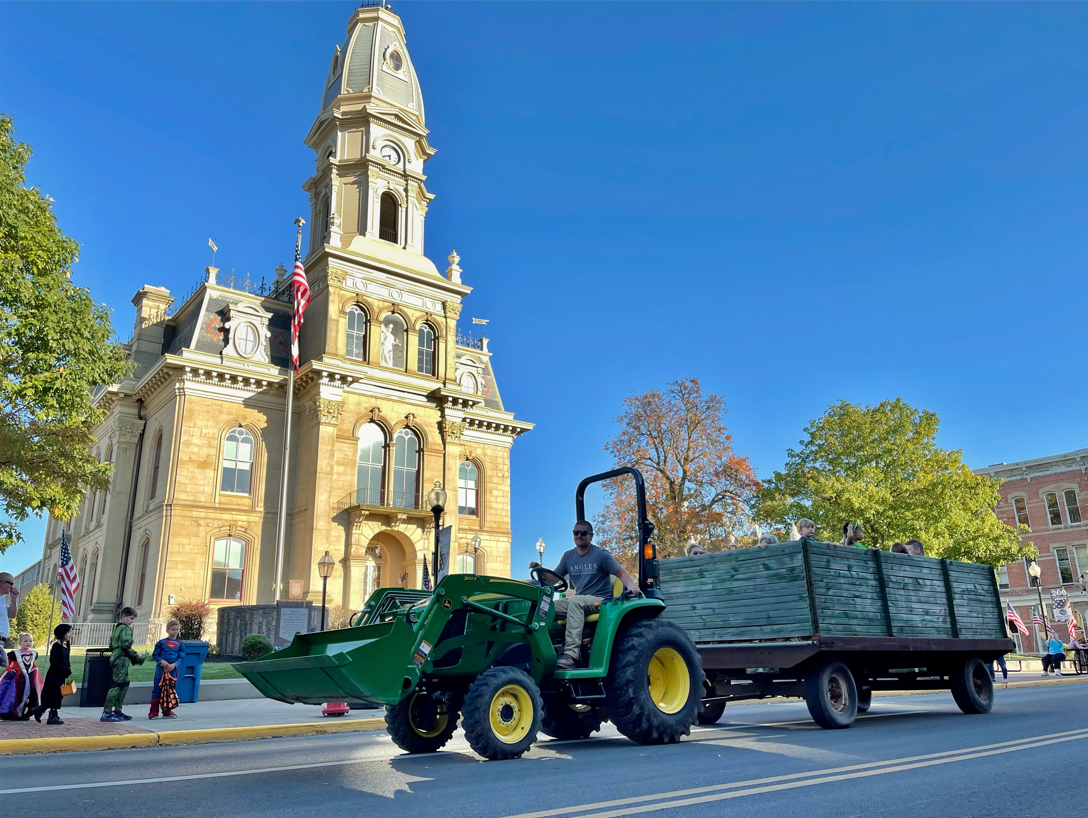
pixel 1048 495
pixel 391 398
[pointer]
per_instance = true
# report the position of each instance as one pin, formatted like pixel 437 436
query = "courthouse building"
pixel 390 398
pixel 1047 495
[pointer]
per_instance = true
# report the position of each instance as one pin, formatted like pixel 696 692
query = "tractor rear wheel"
pixel 420 723
pixel 655 682
pixel 502 713
pixel 570 721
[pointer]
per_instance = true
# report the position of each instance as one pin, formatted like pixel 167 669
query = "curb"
pixel 26 746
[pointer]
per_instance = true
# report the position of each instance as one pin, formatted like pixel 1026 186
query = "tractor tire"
pixel 654 686
pixel 711 712
pixel 831 696
pixel 567 721
pixel 417 725
pixel 502 713
pixel 972 687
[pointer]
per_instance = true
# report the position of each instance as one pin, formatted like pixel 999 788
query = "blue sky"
pixel 796 204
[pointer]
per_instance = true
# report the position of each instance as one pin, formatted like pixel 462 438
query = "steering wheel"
pixel 545 576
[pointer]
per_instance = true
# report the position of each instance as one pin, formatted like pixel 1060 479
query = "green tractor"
pixel 484 650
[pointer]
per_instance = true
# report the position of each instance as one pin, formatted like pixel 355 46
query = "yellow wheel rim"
pixel 670 683
pixel 511 714
pixel 441 720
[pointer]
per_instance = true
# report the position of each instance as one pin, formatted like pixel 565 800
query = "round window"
pixel 396 61
pixel 245 340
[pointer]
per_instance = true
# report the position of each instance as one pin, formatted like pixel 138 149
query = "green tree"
pixel 880 466
pixel 33 614
pixel 56 347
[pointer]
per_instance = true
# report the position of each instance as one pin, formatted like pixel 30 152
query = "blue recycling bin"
pixel 189 673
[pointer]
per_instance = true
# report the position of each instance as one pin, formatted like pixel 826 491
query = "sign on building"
pixel 1061 604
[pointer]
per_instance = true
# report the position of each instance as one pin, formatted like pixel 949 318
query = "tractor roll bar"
pixel 647 566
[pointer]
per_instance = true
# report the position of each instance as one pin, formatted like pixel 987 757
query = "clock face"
pixel 396 61
pixel 390 154
pixel 245 340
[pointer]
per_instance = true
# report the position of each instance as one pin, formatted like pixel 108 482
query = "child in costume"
pixel 60 668
pixel 21 683
pixel 121 659
pixel 168 654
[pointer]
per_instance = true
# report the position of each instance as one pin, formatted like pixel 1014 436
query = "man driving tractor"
pixel 589 570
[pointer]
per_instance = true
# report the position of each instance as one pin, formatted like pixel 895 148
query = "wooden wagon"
pixel 832 623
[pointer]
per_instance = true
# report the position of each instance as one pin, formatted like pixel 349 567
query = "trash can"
pixel 97 677
pixel 189 673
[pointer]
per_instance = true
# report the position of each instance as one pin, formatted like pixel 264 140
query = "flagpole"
pixel 281 524
pixel 52 608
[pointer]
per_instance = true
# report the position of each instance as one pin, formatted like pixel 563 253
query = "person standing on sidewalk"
pixel 121 659
pixel 60 668
pixel 9 603
pixel 168 655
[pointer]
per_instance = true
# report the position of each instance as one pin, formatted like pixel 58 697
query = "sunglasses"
pixel 577 533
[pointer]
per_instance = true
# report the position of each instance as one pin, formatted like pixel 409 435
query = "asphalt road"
pixel 910 756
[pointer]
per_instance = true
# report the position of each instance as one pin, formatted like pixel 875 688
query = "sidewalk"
pixel 198 723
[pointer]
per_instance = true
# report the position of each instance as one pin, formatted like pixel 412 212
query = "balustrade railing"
pixel 379 498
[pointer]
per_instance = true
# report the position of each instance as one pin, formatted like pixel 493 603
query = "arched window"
pixel 91 580
pixel 155 461
pixel 425 361
pixel 394 333
pixel 82 583
pixel 237 461
pixel 228 569
pixel 90 507
pixel 369 480
pixel 466 563
pixel 468 383
pixel 106 491
pixel 326 214
pixel 406 470
pixel 356 338
pixel 387 214
pixel 145 546
pixel 468 483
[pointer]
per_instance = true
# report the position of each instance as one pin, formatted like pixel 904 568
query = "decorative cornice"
pixel 128 430
pixel 452 309
pixel 451 431
pixel 325 411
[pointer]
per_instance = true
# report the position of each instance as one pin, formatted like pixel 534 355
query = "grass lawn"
pixel 144 672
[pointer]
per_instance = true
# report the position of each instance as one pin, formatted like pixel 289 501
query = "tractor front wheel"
pixel 502 713
pixel 421 723
pixel 571 721
pixel 654 687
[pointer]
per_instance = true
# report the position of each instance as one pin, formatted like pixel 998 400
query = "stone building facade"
pixel 1049 495
pixel 390 398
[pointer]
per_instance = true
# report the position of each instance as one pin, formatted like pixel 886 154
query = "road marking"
pixel 805 779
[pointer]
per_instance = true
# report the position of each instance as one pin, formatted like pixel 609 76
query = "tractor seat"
pixel 617 589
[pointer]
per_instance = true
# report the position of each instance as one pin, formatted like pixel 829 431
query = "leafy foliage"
pixel 33 614
pixel 696 485
pixel 191 615
pixel 880 466
pixel 256 645
pixel 55 347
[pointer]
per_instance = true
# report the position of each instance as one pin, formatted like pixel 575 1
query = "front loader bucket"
pixel 367 663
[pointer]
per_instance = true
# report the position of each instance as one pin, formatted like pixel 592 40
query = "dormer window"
pixel 387 226
pixel 395 60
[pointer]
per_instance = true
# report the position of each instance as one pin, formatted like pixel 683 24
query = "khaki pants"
pixel 575 608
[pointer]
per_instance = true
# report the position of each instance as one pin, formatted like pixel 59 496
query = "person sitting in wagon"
pixel 589 569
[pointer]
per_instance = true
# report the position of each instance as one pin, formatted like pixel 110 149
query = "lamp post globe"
pixel 540 547
pixel 436 499
pixel 325 566
pixel 475 542
pixel 1035 572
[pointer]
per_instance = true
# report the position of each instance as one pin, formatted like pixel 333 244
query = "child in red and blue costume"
pixel 168 656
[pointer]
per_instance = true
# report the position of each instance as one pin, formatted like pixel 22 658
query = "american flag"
pixel 1014 617
pixel 69 579
pixel 301 290
pixel 426 576
pixel 1035 618
pixel 1072 625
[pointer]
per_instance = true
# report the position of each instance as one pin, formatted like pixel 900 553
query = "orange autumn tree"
pixel 696 485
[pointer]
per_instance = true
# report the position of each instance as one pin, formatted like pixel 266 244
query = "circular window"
pixel 390 154
pixel 245 340
pixel 396 61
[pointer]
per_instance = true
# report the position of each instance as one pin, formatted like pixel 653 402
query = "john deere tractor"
pixel 483 650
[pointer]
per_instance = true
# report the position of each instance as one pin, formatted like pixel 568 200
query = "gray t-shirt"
pixel 591 573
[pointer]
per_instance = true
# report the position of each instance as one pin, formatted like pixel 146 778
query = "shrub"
pixel 339 617
pixel 191 615
pixel 255 646
pixel 33 614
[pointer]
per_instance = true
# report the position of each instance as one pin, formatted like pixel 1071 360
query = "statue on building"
pixel 388 343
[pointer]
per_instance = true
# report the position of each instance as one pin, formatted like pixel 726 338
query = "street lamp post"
pixel 1035 572
pixel 540 549
pixel 475 542
pixel 436 499
pixel 324 568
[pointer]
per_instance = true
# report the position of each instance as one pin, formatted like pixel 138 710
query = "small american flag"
pixel 69 579
pixel 301 289
pixel 426 576
pixel 1014 617
pixel 1035 618
pixel 1072 625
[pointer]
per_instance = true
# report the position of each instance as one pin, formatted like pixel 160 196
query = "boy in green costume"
pixel 122 657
